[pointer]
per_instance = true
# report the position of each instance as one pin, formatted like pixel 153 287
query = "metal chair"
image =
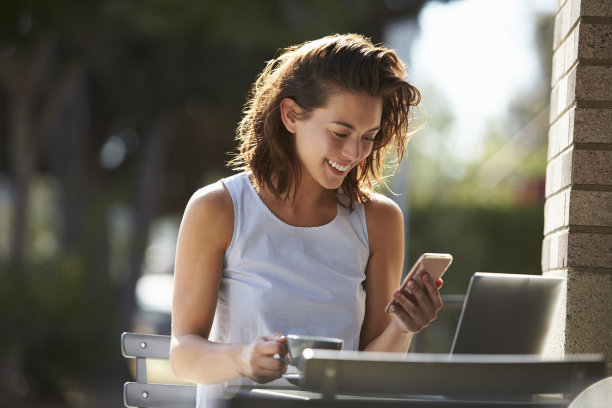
pixel 143 393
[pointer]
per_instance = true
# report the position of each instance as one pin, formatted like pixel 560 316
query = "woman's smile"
pixel 338 167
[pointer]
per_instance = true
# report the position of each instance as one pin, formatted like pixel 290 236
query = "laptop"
pixel 507 314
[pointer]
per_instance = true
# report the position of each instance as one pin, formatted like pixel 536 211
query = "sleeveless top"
pixel 288 279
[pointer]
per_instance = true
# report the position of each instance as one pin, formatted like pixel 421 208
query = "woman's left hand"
pixel 415 307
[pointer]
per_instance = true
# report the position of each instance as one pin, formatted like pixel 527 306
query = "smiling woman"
pixel 297 242
pixel 335 138
pixel 309 74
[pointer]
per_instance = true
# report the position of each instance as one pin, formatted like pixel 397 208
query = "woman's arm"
pixel 204 236
pixel 380 331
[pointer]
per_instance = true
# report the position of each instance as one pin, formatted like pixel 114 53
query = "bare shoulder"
pixel 381 209
pixel 212 196
pixel 384 220
pixel 210 210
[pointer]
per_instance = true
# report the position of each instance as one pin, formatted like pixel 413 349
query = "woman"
pixel 298 242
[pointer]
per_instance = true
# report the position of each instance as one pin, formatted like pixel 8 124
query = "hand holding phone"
pixel 434 264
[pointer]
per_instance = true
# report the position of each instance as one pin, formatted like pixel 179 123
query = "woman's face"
pixel 337 136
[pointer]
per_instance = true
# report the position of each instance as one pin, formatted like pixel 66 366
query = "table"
pixel 365 379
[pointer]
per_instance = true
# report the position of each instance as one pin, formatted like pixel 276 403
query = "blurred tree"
pixel 130 104
pixel 39 79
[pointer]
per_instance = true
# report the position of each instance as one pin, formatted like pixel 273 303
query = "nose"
pixel 351 149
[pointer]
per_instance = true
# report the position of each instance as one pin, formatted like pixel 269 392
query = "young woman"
pixel 298 242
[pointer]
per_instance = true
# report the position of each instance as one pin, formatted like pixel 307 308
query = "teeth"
pixel 337 166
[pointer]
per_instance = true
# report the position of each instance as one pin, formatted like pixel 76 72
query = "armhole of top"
pixel 364 223
pixel 235 210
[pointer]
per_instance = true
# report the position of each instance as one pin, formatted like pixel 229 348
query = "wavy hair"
pixel 309 73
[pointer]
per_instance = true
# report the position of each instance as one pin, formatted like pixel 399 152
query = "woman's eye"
pixel 340 135
pixel 369 138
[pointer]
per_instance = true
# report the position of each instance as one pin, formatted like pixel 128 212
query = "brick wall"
pixel 578 210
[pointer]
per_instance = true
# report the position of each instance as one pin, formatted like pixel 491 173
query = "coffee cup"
pixel 297 343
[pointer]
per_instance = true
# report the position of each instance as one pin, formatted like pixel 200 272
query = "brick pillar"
pixel 578 210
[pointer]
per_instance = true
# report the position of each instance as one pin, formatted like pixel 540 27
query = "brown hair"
pixel 309 73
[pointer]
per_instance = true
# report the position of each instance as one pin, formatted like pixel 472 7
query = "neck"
pixel 305 196
pixel 311 205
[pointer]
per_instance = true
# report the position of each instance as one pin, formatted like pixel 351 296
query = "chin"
pixel 332 185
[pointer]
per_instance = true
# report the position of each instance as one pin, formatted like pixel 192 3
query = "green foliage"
pixel 55 318
pixel 502 239
pixel 496 239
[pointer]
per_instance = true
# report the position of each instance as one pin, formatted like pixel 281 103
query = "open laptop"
pixel 506 314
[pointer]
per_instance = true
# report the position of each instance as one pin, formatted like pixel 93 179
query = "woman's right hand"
pixel 259 360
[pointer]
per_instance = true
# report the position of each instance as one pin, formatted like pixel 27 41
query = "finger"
pixel 413 316
pixel 419 305
pixel 421 294
pixel 264 376
pixel 427 303
pixel 433 292
pixel 271 347
pixel 409 322
pixel 428 283
pixel 408 290
pixel 406 302
pixel 271 364
pixel 277 336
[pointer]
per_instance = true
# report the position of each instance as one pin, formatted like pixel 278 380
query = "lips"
pixel 338 166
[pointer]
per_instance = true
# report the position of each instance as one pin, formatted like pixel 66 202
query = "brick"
pixel 592 126
pixel 559 173
pixel 565 19
pixel 590 208
pixel 592 167
pixel 595 41
pixel 556 212
pixel 593 83
pixel 555 342
pixel 555 250
pixel 546 254
pixel 589 313
pixel 558 64
pixel 576 10
pixel 579 125
pixel 595 8
pixel 589 250
pixel 565 56
pixel 563 94
pixel 560 133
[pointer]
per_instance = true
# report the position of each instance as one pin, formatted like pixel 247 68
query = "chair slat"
pixel 159 395
pixel 145 345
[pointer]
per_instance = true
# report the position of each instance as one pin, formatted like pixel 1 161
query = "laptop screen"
pixel 506 314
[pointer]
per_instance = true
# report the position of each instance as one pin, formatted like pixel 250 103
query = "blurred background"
pixel 113 112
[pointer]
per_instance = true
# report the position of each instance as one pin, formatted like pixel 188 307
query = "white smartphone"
pixel 434 264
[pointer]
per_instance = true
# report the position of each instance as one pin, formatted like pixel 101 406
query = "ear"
pixel 289 113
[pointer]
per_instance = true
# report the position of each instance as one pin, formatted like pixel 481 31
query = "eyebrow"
pixel 348 125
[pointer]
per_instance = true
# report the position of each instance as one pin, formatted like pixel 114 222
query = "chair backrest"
pixel 154 395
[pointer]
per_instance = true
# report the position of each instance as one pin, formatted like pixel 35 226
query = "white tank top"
pixel 293 280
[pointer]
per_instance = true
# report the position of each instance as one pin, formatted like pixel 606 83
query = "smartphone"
pixel 434 264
